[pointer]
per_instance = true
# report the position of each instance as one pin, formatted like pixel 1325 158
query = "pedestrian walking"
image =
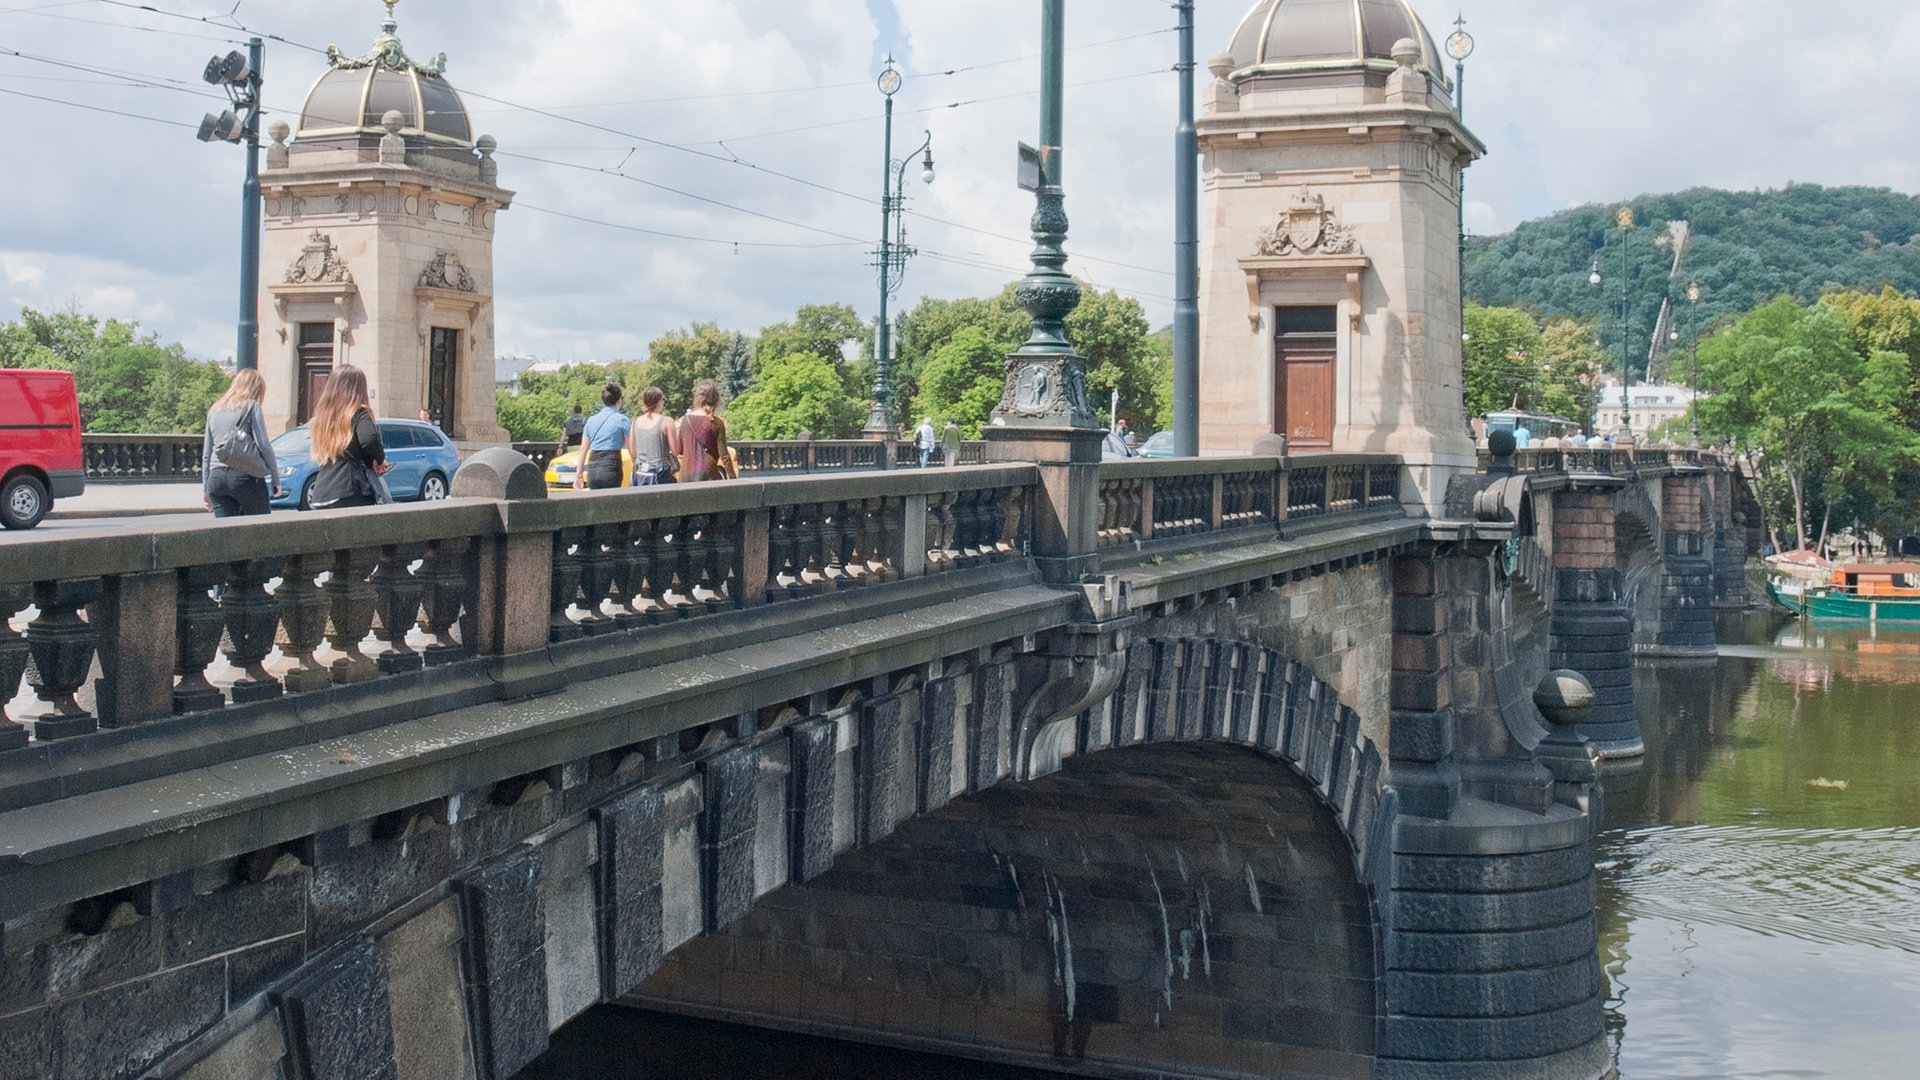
pixel 346 444
pixel 923 439
pixel 602 438
pixel 950 443
pixel 704 453
pixel 571 430
pixel 654 441
pixel 238 475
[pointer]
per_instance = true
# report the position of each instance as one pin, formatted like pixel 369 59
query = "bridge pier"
pixel 1687 581
pixel 1487 903
pixel 1592 625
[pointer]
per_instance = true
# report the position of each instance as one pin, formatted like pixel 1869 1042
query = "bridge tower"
pixel 378 244
pixel 1329 275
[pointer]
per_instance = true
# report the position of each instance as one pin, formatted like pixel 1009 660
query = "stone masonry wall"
pixel 1187 906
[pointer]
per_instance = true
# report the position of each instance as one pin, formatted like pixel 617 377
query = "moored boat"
pixel 1870 592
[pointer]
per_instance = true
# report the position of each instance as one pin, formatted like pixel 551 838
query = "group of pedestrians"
pixel 238 474
pixel 663 450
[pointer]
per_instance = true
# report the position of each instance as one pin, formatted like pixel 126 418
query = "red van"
pixel 39 444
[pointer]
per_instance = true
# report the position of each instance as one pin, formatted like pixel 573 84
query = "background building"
pixel 1329 275
pixel 378 245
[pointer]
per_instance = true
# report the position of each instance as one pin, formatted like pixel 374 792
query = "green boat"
pixel 1856 592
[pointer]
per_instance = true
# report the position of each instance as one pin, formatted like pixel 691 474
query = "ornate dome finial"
pixel 387 52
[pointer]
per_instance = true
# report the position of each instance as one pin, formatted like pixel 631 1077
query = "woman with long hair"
pixel 227 487
pixel 346 443
pixel 602 439
pixel 703 437
pixel 654 442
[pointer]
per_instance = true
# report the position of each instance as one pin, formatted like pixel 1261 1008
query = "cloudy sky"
pixel 749 132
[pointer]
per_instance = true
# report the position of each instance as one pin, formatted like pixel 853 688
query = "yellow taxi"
pixel 561 470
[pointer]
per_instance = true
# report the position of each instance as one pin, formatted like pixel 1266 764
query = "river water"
pixel 1760 873
pixel 1759 880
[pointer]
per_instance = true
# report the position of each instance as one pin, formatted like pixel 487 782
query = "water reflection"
pixel 1760 873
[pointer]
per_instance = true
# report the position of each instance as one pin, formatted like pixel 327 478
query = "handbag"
pixel 239 450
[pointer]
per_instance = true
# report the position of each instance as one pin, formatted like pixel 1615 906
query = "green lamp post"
pixel 1046 381
pixel 892 255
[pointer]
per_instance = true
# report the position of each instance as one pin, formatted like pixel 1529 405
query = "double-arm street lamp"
pixel 893 253
pixel 1624 218
pixel 240 75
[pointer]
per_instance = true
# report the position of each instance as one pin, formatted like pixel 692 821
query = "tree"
pixel 1501 359
pixel 1791 392
pixel 801 391
pixel 1108 329
pixel 681 358
pixel 125 381
pixel 963 382
pixel 541 400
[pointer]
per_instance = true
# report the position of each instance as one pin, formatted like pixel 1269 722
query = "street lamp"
pixel 894 252
pixel 240 76
pixel 1624 217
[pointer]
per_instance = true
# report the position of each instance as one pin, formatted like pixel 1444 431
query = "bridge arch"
pixel 1184 907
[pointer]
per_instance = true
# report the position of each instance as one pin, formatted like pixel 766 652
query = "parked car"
pixel 1159 444
pixel 423 459
pixel 561 469
pixel 40 458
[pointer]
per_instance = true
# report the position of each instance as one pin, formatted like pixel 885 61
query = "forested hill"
pixel 1748 247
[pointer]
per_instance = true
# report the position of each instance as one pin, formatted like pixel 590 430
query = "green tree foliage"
pixel 1512 362
pixel 1748 247
pixel 125 381
pixel 1817 416
pixel 802 391
pixel 1110 330
pixel 539 406
pixel 963 382
pixel 681 358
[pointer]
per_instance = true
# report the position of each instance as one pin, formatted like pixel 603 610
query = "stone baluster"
pixel 396 607
pixel 60 648
pixel 251 621
pixel 566 586
pixel 720 539
pixel 13 663
pixel 969 526
pixel 835 534
pixel 676 582
pixel 941 554
pixel 443 577
pixel 596 578
pixel 696 551
pixel 783 576
pixel 197 624
pixel 350 604
pixel 807 556
pixel 873 542
pixel 852 554
pixel 888 516
pixel 303 622
pixel 623 575
pixel 649 600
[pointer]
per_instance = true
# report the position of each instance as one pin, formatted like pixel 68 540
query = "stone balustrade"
pixel 112 458
pixel 1607 461
pixel 107 631
pixel 1144 499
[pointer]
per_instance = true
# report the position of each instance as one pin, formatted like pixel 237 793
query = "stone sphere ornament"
pixel 1564 697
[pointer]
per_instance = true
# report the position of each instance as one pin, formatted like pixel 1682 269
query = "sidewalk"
pixel 127 500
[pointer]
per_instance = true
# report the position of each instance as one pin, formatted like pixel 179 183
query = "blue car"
pixel 423 461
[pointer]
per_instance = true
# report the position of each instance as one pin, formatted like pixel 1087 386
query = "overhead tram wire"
pixel 727 159
pixel 99 109
pixel 521 204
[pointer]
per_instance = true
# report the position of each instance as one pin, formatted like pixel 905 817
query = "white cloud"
pixel 1578 101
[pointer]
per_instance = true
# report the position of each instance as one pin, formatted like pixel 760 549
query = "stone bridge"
pixel 1208 767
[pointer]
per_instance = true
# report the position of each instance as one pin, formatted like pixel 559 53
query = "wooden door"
pixel 316 366
pixel 1305 349
pixel 443 358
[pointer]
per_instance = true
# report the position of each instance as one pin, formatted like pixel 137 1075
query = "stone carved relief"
pixel 1307 228
pixel 320 204
pixel 1048 389
pixel 450 212
pixel 319 263
pixel 445 272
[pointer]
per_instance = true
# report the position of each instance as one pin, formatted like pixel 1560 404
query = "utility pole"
pixel 247 348
pixel 1186 254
